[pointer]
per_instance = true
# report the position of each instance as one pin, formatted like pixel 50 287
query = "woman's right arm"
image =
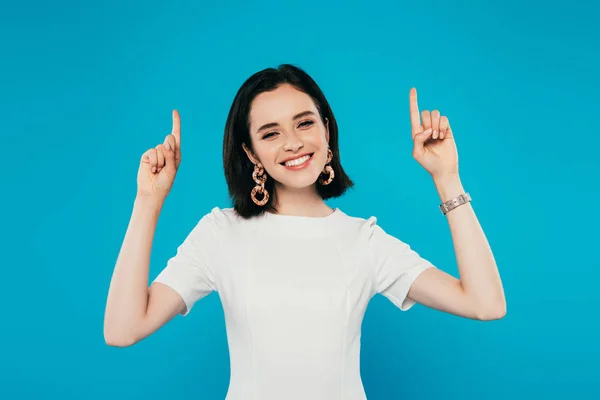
pixel 134 311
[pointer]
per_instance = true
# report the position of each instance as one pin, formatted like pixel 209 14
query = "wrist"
pixel 448 186
pixel 149 203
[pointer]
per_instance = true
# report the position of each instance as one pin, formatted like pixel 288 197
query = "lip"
pixel 294 157
pixel 299 167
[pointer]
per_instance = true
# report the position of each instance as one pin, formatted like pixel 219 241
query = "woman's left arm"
pixel 478 294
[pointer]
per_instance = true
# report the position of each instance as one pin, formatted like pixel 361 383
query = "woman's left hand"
pixel 434 146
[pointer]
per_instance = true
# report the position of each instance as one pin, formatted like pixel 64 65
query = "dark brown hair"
pixel 238 168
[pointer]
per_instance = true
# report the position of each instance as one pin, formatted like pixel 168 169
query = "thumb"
pixel 421 138
pixel 169 152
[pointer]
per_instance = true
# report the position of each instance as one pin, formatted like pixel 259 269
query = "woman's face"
pixel 285 126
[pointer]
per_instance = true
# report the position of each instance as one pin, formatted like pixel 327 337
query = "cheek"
pixel 267 155
pixel 317 137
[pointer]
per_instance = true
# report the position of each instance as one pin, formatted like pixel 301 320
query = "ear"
pixel 253 159
pixel 327 129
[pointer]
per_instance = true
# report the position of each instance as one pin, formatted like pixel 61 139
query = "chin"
pixel 296 182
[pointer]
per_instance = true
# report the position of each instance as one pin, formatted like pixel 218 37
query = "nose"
pixel 292 142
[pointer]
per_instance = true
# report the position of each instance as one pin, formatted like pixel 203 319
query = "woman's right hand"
pixel 159 164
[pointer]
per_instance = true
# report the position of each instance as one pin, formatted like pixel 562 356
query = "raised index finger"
pixel 176 130
pixel 415 118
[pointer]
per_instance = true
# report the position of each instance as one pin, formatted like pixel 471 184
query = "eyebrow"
pixel 274 124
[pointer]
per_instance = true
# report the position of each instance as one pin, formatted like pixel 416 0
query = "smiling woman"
pixel 293 327
pixel 281 115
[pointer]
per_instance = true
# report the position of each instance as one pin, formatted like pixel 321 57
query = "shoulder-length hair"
pixel 238 168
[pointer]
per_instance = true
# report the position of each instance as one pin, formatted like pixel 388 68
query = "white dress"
pixel 294 292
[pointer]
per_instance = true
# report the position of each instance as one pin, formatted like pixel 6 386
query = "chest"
pixel 295 280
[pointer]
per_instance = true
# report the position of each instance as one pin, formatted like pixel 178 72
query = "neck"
pixel 301 202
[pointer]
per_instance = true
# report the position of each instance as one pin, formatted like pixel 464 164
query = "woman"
pixel 294 276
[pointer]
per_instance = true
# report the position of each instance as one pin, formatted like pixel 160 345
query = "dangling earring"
pixel 327 170
pixel 260 178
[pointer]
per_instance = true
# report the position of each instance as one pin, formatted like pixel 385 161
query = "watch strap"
pixel 451 204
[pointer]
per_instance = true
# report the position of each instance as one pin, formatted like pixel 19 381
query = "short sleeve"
pixel 191 271
pixel 396 265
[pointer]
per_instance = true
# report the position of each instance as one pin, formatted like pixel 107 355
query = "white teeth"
pixel 297 161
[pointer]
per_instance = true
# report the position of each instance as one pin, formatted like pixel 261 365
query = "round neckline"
pixel 335 212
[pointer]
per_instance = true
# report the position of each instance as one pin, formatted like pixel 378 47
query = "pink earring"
pixel 327 170
pixel 260 178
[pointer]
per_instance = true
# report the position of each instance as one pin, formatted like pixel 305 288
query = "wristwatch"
pixel 455 202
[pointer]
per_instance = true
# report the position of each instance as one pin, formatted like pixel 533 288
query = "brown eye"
pixel 306 123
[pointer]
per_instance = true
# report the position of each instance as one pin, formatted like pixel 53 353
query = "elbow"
pixel 492 313
pixel 115 342
pixel 118 339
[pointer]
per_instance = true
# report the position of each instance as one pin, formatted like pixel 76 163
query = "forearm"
pixel 128 292
pixel 479 274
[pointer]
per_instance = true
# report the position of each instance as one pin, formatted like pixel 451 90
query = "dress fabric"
pixel 294 292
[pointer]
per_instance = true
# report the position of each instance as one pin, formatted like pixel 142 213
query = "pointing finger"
pixel 414 112
pixel 176 131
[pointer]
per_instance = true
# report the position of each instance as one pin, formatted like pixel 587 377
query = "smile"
pixel 298 163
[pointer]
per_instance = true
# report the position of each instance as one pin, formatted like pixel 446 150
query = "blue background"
pixel 86 88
